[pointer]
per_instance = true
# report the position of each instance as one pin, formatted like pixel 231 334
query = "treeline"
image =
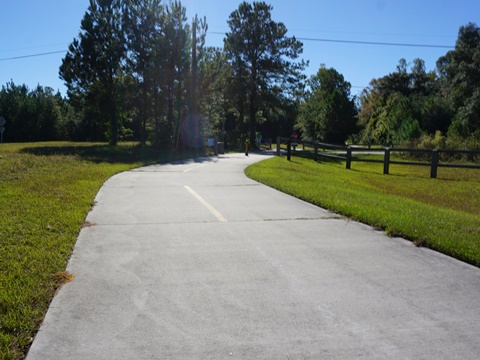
pixel 408 107
pixel 436 109
pixel 139 70
pixel 36 115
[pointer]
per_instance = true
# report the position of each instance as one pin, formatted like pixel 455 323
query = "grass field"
pixel 442 214
pixel 46 190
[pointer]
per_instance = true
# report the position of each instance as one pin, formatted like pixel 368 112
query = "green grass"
pixel 46 190
pixel 442 214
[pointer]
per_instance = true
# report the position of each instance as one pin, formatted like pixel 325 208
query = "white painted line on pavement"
pixel 206 204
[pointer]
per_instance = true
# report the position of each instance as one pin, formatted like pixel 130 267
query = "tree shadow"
pixel 124 154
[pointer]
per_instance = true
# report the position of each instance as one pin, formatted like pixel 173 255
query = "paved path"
pixel 195 261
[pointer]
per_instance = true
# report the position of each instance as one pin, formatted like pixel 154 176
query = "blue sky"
pixel 29 27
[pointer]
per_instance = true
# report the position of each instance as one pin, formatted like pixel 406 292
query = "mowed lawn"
pixel 442 214
pixel 46 190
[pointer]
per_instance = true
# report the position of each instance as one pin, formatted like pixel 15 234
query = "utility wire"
pixel 33 55
pixel 364 42
pixel 378 43
pixel 299 38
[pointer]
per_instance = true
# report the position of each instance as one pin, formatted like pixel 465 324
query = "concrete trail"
pixel 193 260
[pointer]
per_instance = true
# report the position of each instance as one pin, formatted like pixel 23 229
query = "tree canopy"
pixel 328 112
pixel 92 67
pixel 263 62
pixel 460 72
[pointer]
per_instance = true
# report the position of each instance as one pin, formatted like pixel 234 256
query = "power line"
pixel 299 38
pixel 364 42
pixel 33 55
pixel 378 43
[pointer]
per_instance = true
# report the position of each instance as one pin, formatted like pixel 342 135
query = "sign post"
pixel 2 128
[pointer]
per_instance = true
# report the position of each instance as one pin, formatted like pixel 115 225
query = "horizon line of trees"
pixel 139 70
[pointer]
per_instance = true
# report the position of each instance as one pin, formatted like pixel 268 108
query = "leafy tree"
pixel 400 106
pixel 94 61
pixel 262 59
pixel 48 113
pixel 32 115
pixel 460 71
pixel 328 112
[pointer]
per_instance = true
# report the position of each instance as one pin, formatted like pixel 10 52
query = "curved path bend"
pixel 193 260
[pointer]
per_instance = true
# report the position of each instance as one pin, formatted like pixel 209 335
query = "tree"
pixel 48 113
pixel 262 59
pixel 174 73
pixel 460 72
pixel 32 115
pixel 143 24
pixel 400 106
pixel 94 61
pixel 328 112
pixel 164 53
pixel 214 102
pixel 191 61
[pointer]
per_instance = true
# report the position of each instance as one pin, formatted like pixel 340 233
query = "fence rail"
pixel 346 153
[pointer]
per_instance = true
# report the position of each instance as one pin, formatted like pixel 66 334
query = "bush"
pixel 437 141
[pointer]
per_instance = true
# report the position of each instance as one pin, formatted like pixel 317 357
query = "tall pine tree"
pixel 93 63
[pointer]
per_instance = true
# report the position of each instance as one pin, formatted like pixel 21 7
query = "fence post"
pixel 386 161
pixel 289 149
pixel 433 172
pixel 278 145
pixel 316 152
pixel 215 146
pixel 349 157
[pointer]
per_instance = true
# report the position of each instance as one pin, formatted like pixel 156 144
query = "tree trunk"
pixel 252 115
pixel 112 113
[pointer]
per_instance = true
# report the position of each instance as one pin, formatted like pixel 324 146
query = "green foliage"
pixel 214 100
pixel 139 70
pixel 437 141
pixel 328 112
pixel 264 62
pixel 142 20
pixel 133 71
pixel 439 214
pixel 460 71
pixel 92 67
pixel 446 101
pixel 33 115
pixel 400 106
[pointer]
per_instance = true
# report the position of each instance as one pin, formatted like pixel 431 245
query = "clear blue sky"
pixel 29 27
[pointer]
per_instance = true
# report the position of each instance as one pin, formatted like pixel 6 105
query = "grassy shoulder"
pixel 442 214
pixel 46 190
